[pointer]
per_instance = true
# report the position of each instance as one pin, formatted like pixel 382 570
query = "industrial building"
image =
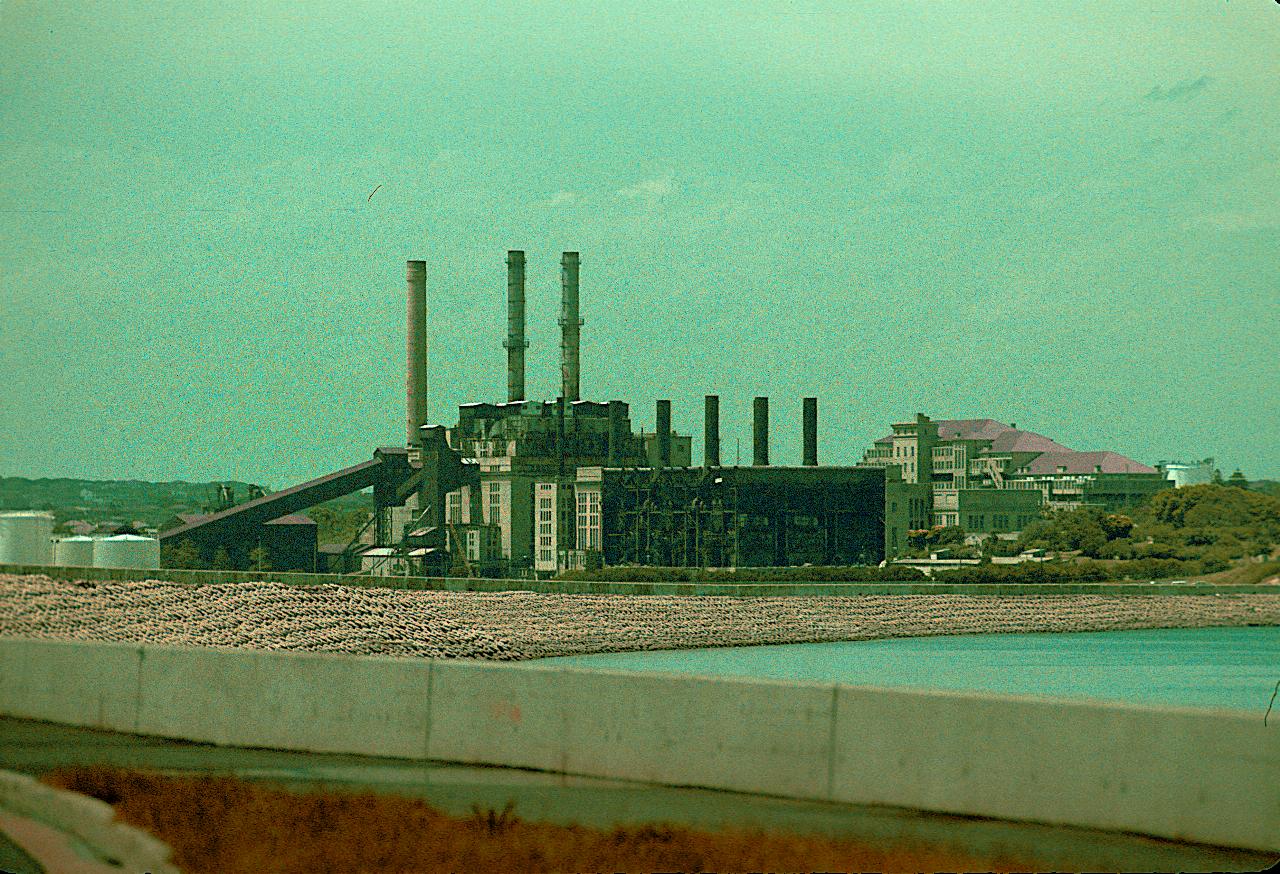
pixel 542 485
pixel 990 478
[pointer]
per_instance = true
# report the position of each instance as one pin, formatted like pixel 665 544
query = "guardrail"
pixel 1205 776
pixel 739 588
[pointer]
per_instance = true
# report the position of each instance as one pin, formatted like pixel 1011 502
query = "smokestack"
pixel 516 343
pixel 664 433
pixel 617 415
pixel 570 324
pixel 761 432
pixel 811 432
pixel 560 436
pixel 711 432
pixel 416 350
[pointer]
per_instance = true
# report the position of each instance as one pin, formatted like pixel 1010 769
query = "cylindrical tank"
pixel 127 550
pixel 74 552
pixel 26 538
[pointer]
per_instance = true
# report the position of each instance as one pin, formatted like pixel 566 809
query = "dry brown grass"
pixel 1245 574
pixel 226 825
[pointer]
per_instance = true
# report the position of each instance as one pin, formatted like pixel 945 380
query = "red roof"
pixel 1085 462
pixel 1014 440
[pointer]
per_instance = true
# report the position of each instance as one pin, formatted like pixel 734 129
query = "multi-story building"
pixel 988 477
pixel 529 454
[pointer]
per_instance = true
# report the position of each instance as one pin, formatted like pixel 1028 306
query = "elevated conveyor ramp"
pixel 388 472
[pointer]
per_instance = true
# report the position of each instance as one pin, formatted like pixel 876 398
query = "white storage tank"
pixel 74 552
pixel 26 537
pixel 127 550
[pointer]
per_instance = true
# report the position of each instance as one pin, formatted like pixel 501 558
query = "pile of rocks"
pixel 524 625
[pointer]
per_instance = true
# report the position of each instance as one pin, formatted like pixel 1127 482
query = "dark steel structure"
pixel 663 418
pixel 743 516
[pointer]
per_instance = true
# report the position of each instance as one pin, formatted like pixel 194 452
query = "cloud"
pixel 562 198
pixel 1182 89
pixel 650 189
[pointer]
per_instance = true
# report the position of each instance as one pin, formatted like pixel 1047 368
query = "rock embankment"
pixel 523 625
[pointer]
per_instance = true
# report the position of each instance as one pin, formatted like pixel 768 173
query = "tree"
pixel 1116 525
pixel 222 560
pixel 260 559
pixel 941 535
pixel 184 555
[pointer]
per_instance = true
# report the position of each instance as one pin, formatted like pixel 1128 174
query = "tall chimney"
pixel 664 433
pixel 516 343
pixel 811 432
pixel 560 443
pixel 760 432
pixel 570 324
pixel 617 416
pixel 711 431
pixel 416 351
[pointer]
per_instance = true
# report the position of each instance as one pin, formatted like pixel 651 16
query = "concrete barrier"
pixel 736 588
pixel 66 681
pixel 1205 776
pixel 1210 777
pixel 293 701
pixel 751 736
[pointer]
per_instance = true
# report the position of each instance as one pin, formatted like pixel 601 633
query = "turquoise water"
pixel 1229 668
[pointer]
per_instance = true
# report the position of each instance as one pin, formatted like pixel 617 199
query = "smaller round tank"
pixel 73 552
pixel 26 537
pixel 127 550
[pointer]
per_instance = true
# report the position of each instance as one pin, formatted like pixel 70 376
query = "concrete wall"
pixel 737 588
pixel 1212 777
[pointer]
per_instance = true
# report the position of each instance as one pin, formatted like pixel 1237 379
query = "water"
pixel 1224 668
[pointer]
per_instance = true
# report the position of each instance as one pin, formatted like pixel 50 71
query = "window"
pixel 495 503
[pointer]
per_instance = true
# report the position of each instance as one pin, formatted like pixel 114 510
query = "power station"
pixel 545 485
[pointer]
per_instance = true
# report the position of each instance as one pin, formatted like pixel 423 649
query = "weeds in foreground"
pixel 225 825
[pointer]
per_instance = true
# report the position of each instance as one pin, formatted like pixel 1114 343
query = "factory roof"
pixel 293 519
pixel 290 519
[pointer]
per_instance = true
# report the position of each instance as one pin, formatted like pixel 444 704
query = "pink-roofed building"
pixel 991 478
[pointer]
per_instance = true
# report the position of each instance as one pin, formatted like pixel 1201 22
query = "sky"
pixel 1061 215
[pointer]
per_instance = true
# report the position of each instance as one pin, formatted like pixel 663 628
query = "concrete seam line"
pixel 831 744
pixel 426 739
pixel 137 699
pixel 88 819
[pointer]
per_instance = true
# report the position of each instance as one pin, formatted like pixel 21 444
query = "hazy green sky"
pixel 1059 214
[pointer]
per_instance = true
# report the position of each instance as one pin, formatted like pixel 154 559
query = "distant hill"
pixel 1266 486
pixel 110 500
pixel 126 501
